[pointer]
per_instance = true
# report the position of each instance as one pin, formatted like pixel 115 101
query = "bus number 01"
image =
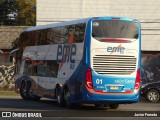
pixel 98 81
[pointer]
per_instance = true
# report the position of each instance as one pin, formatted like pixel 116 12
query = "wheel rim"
pixel 59 99
pixel 29 91
pixel 24 89
pixel 153 96
pixel 58 96
pixel 67 98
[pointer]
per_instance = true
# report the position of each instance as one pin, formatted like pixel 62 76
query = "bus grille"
pixel 114 64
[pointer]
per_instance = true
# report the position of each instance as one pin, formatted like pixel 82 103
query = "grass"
pixel 8 93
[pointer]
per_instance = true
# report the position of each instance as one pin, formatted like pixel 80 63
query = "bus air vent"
pixel 114 64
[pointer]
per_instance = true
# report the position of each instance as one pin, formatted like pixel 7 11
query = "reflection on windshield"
pixel 114 29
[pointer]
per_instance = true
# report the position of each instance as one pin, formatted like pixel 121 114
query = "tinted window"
pixel 28 68
pixel 79 32
pixel 46 68
pixel 66 34
pixel 44 37
pixel 58 35
pixel 32 38
pixel 114 29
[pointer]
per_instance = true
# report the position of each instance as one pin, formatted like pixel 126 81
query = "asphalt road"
pixel 48 108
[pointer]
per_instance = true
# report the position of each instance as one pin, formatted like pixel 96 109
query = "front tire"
pixel 31 96
pixel 24 91
pixel 153 96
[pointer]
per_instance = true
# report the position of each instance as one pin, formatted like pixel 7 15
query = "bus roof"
pixel 84 20
pixel 57 24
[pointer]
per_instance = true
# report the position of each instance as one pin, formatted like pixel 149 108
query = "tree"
pixel 26 12
pixel 18 12
pixel 8 10
pixel 15 43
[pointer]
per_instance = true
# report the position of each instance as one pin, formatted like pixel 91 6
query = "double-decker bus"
pixel 92 60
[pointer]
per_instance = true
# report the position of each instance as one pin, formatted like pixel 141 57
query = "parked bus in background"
pixel 93 60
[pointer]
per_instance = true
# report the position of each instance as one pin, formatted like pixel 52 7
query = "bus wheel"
pixel 114 106
pixel 23 91
pixel 67 98
pixel 59 95
pixel 30 93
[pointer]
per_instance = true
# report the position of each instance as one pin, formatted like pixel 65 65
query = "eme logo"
pixel 66 53
pixel 118 49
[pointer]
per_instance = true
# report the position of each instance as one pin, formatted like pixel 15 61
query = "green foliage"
pixel 27 12
pixel 7 7
pixel 24 12
pixel 15 43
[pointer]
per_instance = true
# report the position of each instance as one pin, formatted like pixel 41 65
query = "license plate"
pixel 113 87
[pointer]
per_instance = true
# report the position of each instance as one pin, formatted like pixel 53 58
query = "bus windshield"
pixel 114 29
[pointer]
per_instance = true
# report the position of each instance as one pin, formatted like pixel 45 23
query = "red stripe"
pixel 114 40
